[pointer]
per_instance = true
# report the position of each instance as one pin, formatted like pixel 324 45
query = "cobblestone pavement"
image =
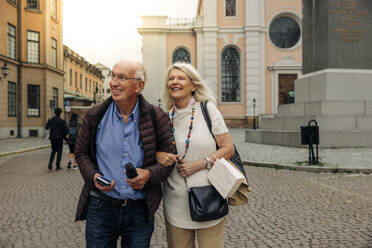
pixel 286 208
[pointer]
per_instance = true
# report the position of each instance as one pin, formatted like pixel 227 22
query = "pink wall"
pixel 175 40
pixel 274 54
pixel 238 20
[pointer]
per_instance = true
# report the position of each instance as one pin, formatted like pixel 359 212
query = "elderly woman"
pixel 184 90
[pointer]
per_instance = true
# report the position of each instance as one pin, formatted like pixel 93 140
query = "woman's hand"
pixel 189 168
pixel 166 159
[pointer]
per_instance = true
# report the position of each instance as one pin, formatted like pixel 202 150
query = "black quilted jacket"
pixel 85 152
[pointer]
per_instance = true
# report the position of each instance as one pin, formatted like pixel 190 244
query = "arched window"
pixel 230 75
pixel 230 8
pixel 181 55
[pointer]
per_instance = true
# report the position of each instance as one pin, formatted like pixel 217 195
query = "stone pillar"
pixel 254 54
pixel 337 54
pixel 336 88
pixel 154 52
pixel 336 34
pixel 210 30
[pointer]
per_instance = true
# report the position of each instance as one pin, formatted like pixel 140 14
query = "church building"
pixel 248 51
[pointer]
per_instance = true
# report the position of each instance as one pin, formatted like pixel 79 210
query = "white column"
pixel 253 12
pixel 210 58
pixel 210 13
pixel 255 56
pixel 200 51
pixel 154 59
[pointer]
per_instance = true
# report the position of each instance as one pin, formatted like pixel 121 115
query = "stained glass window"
pixel 181 55
pixel 230 75
pixel 285 32
pixel 230 6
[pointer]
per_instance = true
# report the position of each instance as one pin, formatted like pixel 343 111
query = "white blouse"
pixel 202 144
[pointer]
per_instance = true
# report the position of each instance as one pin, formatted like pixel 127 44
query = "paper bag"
pixel 225 178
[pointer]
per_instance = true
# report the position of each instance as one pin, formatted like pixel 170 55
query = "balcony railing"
pixel 180 22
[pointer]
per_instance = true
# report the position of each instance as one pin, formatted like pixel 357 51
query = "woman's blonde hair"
pixel 202 92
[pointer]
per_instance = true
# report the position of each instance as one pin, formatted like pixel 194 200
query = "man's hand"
pixel 100 187
pixel 139 181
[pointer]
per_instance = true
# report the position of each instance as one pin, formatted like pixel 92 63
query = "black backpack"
pixel 73 133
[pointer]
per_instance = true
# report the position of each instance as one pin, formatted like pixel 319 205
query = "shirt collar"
pixel 134 114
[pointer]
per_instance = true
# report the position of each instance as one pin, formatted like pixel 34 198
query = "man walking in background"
pixel 58 132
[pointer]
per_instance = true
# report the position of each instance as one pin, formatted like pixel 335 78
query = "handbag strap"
pixel 207 119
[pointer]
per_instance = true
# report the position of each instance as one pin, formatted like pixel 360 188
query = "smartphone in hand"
pixel 130 170
pixel 103 181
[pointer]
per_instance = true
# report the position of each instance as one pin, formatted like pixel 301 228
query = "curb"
pixel 306 168
pixel 315 169
pixel 4 154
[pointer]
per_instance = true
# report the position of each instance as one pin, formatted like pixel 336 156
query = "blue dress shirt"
pixel 118 143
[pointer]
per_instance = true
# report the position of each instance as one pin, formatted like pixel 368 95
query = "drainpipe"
pixel 19 67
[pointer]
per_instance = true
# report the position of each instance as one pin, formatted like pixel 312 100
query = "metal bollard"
pixel 310 136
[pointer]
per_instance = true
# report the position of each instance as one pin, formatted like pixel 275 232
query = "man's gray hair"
pixel 140 71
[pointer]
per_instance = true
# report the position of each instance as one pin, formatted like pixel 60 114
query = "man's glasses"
pixel 121 77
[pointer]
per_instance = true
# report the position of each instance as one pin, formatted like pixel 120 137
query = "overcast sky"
pixel 106 31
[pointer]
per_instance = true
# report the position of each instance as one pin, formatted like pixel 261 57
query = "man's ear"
pixel 141 86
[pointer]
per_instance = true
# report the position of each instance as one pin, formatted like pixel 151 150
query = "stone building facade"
pixel 83 83
pixel 31 45
pixel 248 51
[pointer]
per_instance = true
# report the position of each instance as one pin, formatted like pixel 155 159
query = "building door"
pixel 286 88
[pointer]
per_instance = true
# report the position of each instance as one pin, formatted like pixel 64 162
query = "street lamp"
pixel 77 92
pixel 4 71
pixel 254 113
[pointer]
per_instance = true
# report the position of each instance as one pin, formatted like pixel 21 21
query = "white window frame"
pixel 12 34
pixel 33 47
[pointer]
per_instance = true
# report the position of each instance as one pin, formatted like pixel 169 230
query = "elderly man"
pixel 123 129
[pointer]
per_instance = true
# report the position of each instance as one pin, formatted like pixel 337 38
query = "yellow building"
pixel 31 45
pixel 82 83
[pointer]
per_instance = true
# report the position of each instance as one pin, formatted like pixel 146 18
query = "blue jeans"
pixel 106 223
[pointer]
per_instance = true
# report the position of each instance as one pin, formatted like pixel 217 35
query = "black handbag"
pixel 206 203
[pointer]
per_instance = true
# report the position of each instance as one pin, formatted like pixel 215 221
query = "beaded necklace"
pixel 190 128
